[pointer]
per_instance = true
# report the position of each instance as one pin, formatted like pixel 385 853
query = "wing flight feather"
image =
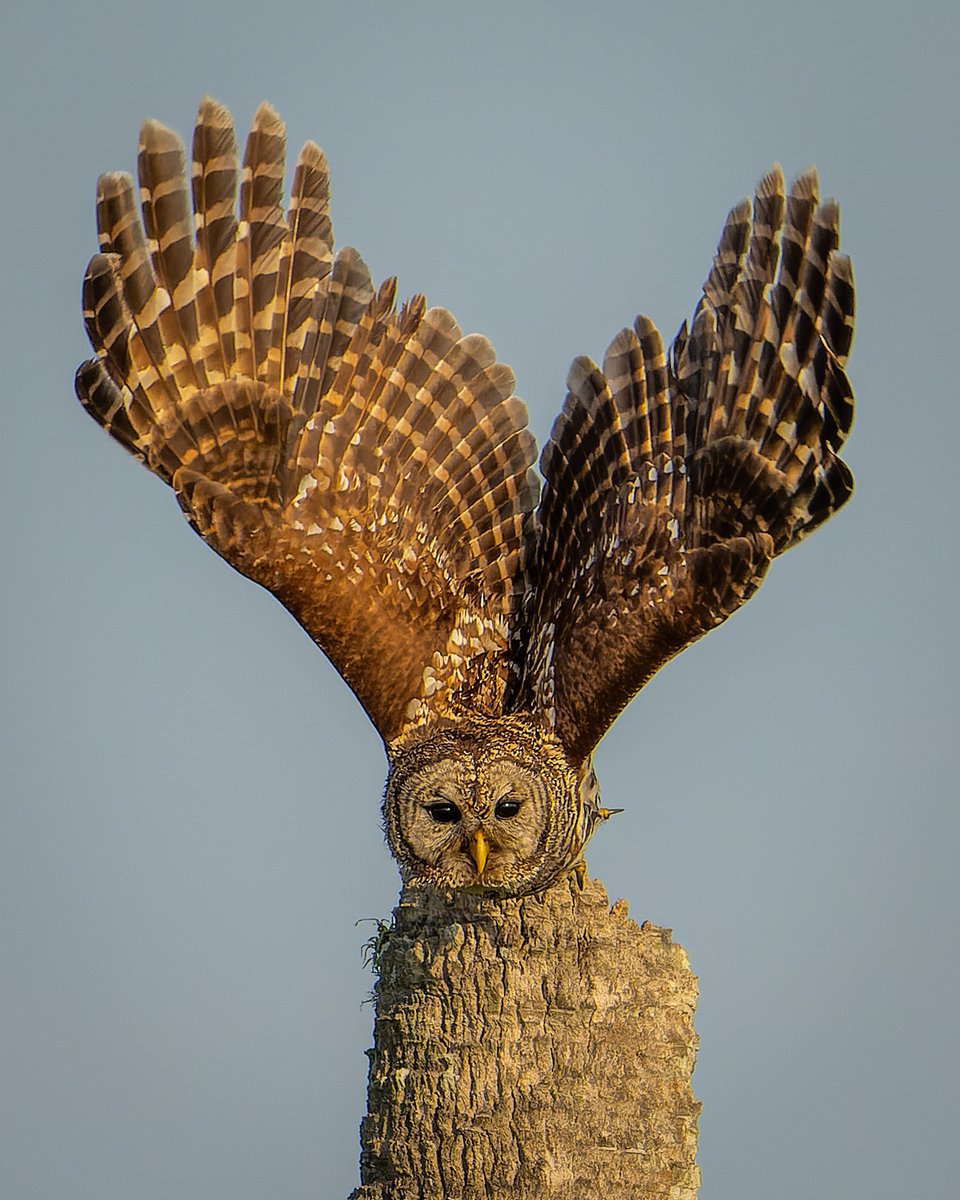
pixel 369 466
pixel 671 483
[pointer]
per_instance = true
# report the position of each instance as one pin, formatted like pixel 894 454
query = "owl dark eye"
pixel 506 809
pixel 443 812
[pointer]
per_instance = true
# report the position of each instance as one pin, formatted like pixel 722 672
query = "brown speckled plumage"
pixel 371 466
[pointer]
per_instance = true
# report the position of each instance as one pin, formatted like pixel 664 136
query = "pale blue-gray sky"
pixel 188 789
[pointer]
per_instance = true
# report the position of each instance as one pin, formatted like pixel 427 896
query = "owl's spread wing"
pixel 670 486
pixel 370 467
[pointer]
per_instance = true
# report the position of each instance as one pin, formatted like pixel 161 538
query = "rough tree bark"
pixel 538 1049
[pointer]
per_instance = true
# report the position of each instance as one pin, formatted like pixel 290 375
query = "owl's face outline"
pixel 482 805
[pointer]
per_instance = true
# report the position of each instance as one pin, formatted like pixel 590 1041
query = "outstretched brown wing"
pixel 671 486
pixel 369 467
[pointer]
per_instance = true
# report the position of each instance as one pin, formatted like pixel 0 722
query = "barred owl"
pixel 371 467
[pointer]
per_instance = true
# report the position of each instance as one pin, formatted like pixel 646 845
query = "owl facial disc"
pixel 489 805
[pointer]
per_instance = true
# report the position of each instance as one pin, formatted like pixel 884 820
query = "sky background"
pixel 190 794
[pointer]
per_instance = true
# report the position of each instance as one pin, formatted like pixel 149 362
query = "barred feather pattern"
pixel 369 466
pixel 671 482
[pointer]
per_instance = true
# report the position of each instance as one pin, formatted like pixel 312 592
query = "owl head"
pixel 485 805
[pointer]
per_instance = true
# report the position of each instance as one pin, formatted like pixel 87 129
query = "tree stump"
pixel 537 1049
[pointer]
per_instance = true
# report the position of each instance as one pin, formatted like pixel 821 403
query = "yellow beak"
pixel 479 848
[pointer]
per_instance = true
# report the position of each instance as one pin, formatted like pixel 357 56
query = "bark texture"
pixel 537 1049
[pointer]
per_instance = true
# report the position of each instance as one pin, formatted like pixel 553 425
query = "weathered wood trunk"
pixel 537 1049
